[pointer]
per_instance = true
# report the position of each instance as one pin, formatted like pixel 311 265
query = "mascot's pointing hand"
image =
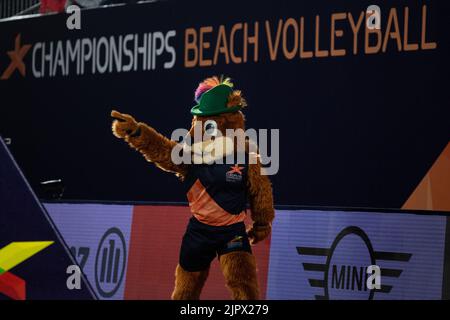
pixel 123 125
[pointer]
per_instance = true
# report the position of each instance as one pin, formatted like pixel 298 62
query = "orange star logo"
pixel 235 169
pixel 16 57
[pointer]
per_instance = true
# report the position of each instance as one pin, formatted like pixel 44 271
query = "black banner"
pixel 362 113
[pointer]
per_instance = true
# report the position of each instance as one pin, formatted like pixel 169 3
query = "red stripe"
pixel 12 286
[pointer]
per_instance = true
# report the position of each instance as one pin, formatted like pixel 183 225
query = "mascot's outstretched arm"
pixel 261 203
pixel 154 146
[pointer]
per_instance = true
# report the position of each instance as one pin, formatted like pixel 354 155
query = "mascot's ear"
pixel 236 99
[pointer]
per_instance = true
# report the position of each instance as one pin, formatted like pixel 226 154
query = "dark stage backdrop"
pixel 361 122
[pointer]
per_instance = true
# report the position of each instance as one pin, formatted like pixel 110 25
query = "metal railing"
pixel 10 8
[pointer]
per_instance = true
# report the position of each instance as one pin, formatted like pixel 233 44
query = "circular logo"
pixel 110 262
pixel 345 275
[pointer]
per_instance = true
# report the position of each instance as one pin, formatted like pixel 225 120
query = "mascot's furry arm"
pixel 261 203
pixel 154 146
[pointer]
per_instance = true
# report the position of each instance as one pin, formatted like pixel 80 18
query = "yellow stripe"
pixel 17 252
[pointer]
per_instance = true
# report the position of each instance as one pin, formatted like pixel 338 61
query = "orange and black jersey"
pixel 217 193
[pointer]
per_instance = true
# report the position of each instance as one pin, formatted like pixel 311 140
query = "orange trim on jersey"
pixel 207 211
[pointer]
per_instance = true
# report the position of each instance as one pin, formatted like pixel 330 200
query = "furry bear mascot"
pixel 217 192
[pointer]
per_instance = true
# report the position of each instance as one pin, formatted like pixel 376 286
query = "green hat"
pixel 214 101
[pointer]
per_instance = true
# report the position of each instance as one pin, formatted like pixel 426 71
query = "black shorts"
pixel 202 243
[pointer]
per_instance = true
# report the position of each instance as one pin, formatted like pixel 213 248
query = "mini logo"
pixel 235 174
pixel 12 255
pixel 110 262
pixel 343 275
pixel 16 57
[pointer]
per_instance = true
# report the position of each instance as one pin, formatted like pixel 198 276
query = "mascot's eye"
pixel 210 128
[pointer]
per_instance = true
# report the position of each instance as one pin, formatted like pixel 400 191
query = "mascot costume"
pixel 217 192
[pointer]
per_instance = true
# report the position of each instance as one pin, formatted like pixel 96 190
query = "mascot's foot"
pixel 239 270
pixel 188 285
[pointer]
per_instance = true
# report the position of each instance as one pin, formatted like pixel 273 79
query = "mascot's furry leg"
pixel 239 270
pixel 188 285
